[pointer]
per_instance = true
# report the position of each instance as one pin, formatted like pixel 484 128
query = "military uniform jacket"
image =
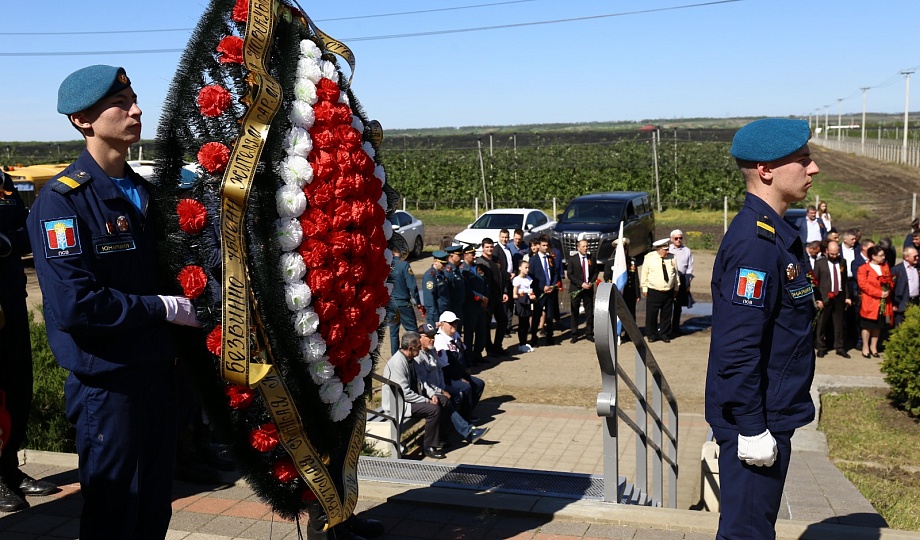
pixel 437 294
pixel 474 284
pixel 405 291
pixel 13 215
pixel 96 264
pixel 456 287
pixel 761 357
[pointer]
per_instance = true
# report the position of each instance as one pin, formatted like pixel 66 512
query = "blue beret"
pixel 440 256
pixel 450 250
pixel 85 87
pixel 770 139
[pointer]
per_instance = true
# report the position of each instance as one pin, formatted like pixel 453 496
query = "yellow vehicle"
pixel 29 180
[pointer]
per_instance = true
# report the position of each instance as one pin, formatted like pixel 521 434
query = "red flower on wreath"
pixel 231 50
pixel 327 90
pixel 214 341
pixel 240 11
pixel 265 438
pixel 214 100
pixel 193 280
pixel 284 470
pixel 192 215
pixel 214 156
pixel 348 372
pixel 239 397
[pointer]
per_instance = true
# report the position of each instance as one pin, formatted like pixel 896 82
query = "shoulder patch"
pixel 411 273
pixel 750 285
pixel 765 228
pixel 429 285
pixel 66 184
pixel 62 237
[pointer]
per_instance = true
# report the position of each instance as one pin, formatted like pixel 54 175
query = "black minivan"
pixel 596 218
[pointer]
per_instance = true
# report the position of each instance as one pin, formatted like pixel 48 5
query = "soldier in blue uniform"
pixel 403 301
pixel 15 349
pixel 95 258
pixel 476 334
pixel 455 281
pixel 761 358
pixel 437 291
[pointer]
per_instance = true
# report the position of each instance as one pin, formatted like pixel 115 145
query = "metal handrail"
pixel 663 441
pixel 397 407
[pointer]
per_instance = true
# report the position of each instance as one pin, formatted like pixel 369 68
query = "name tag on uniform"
pixel 114 246
pixel 62 238
pixel 7 202
pixel 750 285
pixel 800 292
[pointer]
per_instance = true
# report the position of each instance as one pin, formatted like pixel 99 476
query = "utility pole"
pixel 906 108
pixel 839 123
pixel 825 121
pixel 817 117
pixel 862 140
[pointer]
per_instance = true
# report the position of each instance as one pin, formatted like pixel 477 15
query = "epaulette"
pixel 66 184
pixel 765 228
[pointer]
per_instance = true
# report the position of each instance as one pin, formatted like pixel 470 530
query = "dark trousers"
pixel 469 392
pixel 475 333
pixel 750 496
pixel 126 443
pixel 16 381
pixel 899 315
pixel 432 414
pixel 831 317
pixel 407 319
pixel 501 323
pixel 658 314
pixel 585 297
pixel 524 314
pixel 549 304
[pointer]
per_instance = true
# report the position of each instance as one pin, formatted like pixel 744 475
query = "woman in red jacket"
pixel 875 310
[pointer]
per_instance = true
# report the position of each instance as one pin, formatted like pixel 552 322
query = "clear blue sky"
pixel 742 58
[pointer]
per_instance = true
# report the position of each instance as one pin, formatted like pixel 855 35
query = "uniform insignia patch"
pixel 765 228
pixel 61 237
pixel 749 287
pixel 801 292
pixel 109 228
pixel 792 271
pixel 429 285
pixel 122 223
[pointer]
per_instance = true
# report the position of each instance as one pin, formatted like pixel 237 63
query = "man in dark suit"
pixel 582 274
pixel 498 294
pixel 832 298
pixel 812 228
pixel 906 284
pixel 547 280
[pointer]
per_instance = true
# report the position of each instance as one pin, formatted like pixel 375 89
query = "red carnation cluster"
pixel 284 470
pixel 344 242
pixel 214 156
pixel 214 341
pixel 230 50
pixel 239 397
pixel 240 11
pixel 265 438
pixel 192 215
pixel 214 100
pixel 193 281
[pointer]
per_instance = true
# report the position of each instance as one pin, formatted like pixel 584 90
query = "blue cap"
pixel 450 250
pixel 770 139
pixel 440 256
pixel 85 87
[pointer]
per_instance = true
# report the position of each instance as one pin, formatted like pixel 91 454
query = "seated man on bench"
pixel 401 370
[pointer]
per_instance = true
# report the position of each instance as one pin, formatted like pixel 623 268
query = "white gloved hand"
pixel 757 450
pixel 179 310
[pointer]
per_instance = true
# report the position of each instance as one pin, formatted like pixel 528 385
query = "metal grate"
pixel 497 479
pixel 570 242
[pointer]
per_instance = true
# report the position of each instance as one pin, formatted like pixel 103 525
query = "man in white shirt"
pixel 812 229
pixel 683 260
pixel 814 251
pixel 848 246
pixel 504 242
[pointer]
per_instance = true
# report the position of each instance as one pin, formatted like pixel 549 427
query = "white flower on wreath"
pixel 297 296
pixel 289 233
pixel 331 390
pixel 298 142
pixel 355 388
pixel 293 268
pixel 321 371
pixel 296 171
pixel 302 114
pixel 308 68
pixel 308 49
pixel 341 408
pixel 290 201
pixel 366 365
pixel 306 322
pixel 313 347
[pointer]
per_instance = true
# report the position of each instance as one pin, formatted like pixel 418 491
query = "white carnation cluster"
pixel 296 172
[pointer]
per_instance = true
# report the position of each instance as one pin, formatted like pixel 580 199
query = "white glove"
pixel 758 450
pixel 179 310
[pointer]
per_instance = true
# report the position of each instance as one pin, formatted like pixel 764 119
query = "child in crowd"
pixel 523 296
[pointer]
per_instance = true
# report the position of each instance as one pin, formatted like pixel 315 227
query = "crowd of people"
pixel 861 292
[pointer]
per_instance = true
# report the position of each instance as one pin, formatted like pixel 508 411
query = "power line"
pixel 409 35
pixel 355 17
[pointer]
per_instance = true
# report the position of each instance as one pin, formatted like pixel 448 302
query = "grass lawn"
pixel 877 447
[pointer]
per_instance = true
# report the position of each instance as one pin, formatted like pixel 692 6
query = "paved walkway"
pixel 820 503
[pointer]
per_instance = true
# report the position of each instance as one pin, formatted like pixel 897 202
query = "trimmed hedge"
pixel 902 363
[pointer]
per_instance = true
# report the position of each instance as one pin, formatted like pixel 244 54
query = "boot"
pixel 318 521
pixel 10 501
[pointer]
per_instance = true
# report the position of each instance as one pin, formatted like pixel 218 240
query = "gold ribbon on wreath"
pixel 263 102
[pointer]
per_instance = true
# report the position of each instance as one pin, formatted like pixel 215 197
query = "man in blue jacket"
pixel 403 301
pixel 761 357
pixel 95 258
